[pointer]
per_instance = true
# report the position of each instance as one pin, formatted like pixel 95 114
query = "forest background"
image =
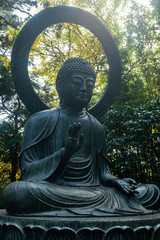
pixel 132 124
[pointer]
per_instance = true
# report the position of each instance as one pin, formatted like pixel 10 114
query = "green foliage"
pixel 136 33
pixel 156 7
pixel 140 51
pixel 11 128
pixel 6 83
pixel 133 142
pixel 10 142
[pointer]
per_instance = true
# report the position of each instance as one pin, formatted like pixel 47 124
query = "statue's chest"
pixel 80 166
pixel 86 130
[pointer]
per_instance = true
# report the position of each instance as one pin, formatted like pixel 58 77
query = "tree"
pixel 133 141
pixel 136 35
pixel 11 127
pixel 10 135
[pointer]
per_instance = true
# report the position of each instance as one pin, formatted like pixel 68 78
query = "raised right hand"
pixel 73 143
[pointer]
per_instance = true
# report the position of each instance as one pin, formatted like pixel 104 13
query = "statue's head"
pixel 75 82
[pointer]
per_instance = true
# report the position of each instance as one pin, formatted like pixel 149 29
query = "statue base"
pixel 143 227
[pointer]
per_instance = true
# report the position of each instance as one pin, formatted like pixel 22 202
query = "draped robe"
pixel 51 185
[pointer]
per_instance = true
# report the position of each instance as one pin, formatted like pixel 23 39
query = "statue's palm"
pixel 73 143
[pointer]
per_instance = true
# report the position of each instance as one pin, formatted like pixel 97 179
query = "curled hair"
pixel 73 65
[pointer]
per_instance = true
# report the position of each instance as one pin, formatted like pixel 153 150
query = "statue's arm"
pixel 35 168
pixel 53 164
pixel 109 180
pixel 106 177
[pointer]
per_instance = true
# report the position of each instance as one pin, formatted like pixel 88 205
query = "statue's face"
pixel 78 89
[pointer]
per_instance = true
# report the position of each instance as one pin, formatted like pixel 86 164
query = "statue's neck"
pixel 71 111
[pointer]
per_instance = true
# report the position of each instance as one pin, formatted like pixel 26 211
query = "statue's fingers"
pixel 134 186
pixel 74 133
pixel 81 139
pixel 131 187
pixel 125 189
pixel 70 130
pixel 132 181
pixel 76 128
pixel 135 191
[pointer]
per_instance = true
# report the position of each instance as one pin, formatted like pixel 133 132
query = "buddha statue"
pixel 65 171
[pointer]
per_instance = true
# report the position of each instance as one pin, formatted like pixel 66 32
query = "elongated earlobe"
pixel 61 101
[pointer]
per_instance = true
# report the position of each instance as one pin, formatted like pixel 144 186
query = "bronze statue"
pixel 64 167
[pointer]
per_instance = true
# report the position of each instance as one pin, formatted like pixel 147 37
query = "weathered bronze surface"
pixel 144 227
pixel 64 167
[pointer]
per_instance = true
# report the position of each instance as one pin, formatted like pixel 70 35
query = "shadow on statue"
pixel 64 167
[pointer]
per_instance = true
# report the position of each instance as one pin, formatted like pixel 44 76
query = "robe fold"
pixel 52 185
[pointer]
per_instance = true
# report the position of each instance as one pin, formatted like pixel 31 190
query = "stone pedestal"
pixel 144 227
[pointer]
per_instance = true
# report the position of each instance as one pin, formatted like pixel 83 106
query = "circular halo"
pixel 44 19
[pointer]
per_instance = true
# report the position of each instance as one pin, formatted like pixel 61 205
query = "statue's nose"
pixel 83 86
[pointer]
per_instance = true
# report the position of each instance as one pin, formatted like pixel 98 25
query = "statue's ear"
pixel 58 86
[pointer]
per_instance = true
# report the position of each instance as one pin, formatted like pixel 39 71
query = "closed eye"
pixel 90 83
pixel 76 80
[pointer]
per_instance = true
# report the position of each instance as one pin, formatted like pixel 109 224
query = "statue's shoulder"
pixel 39 126
pixel 95 121
pixel 43 115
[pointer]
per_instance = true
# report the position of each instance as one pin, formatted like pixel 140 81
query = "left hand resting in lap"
pixel 126 185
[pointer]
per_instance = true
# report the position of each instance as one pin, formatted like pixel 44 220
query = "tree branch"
pixel 17 8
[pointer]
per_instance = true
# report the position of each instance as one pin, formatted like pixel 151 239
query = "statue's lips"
pixel 83 95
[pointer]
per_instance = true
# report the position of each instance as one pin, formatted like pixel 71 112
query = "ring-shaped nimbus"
pixel 49 17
